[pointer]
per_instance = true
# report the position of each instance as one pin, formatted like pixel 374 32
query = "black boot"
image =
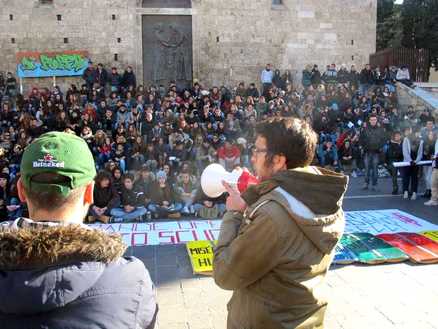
pixel 427 194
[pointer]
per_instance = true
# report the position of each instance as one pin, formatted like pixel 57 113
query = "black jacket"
pixel 394 152
pixel 132 198
pixel 366 77
pixel 372 139
pixel 81 281
pixel 89 76
pixel 106 197
pixel 129 79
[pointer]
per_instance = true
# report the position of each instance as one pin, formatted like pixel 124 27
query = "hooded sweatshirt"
pixel 275 256
pixel 70 276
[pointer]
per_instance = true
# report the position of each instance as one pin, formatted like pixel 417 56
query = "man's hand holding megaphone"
pixel 234 201
pixel 215 181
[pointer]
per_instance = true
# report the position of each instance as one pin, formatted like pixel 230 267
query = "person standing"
pixel 366 79
pixel 412 153
pixel 129 79
pixel 434 183
pixel 276 239
pixel 428 154
pixel 11 85
pixel 57 272
pixel 372 139
pixel 266 78
pixel 101 76
pixel 394 153
pixel 89 76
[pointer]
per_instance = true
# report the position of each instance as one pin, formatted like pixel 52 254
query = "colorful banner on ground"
pixel 178 232
pixel 419 248
pixel 385 221
pixel 201 256
pixel 433 235
pixel 51 64
pixel 366 248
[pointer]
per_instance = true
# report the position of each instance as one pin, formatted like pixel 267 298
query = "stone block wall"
pixel 232 39
pixel 87 24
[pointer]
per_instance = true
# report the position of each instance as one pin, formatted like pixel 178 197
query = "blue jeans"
pixel 122 165
pixel 126 216
pixel 371 161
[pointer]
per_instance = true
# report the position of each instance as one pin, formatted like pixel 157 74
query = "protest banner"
pixel 419 248
pixel 385 221
pixel 201 256
pixel 164 233
pixel 51 64
pixel 366 248
pixel 433 235
pixel 183 231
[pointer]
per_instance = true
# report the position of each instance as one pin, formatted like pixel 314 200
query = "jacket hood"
pixel 45 268
pixel 312 196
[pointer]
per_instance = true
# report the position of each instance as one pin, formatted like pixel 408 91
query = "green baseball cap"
pixel 61 153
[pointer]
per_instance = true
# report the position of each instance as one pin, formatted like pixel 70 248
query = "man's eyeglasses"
pixel 256 151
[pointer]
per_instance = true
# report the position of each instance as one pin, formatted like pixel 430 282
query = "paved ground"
pixel 384 296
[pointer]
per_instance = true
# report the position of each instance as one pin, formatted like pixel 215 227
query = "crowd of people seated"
pixel 151 143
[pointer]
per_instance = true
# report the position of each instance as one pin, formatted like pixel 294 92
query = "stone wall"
pixel 235 38
pixel 232 39
pixel 88 25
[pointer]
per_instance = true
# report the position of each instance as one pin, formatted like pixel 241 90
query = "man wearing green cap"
pixel 57 272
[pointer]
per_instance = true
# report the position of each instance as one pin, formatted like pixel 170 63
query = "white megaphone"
pixel 214 174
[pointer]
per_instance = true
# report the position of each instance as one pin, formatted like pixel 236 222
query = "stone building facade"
pixel 225 41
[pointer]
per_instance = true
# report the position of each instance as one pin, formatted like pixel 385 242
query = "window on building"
pixel 119 40
pixel 65 40
pixel 12 40
pixel 116 57
pixel 59 17
pixel 277 2
pixel 352 42
pixel 167 3
pixel 46 2
pixel 11 17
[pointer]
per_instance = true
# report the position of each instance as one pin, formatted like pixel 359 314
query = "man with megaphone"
pixel 277 237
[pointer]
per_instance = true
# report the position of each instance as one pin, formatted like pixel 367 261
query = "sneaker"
pixel 354 174
pixel 406 195
pixel 185 211
pixel 414 196
pixel 431 203
pixel 365 186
